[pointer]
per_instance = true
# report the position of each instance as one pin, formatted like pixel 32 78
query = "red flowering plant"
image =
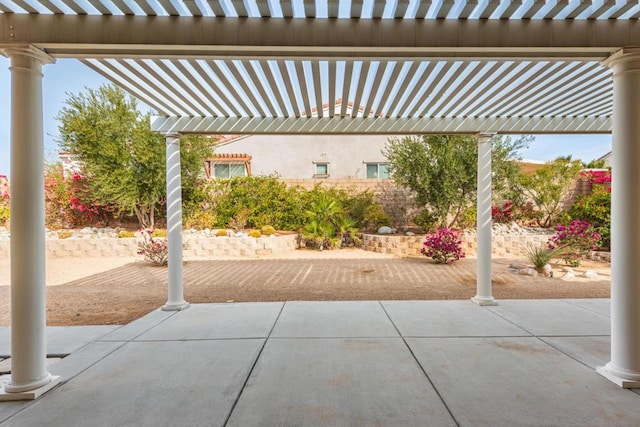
pixel 501 214
pixel 598 177
pixel 574 241
pixel 443 245
pixel 155 250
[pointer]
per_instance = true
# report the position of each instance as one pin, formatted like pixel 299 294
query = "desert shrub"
pixel 468 218
pixel 159 232
pixel 540 256
pixel 154 250
pixel 526 214
pixel 502 213
pixel 126 234
pixel 222 233
pixel 443 245
pixel 200 219
pixel 267 230
pixel 255 233
pixel 267 200
pixel 574 241
pixel 5 214
pixel 595 208
pixel 425 219
pixel 64 234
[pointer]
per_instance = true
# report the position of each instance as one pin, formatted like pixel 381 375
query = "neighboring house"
pixel 300 156
pixel 607 159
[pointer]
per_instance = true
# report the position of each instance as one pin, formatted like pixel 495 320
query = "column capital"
pixel 485 136
pixel 172 135
pixel 625 59
pixel 26 51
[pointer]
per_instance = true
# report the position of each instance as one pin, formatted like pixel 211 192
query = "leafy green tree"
pixel 549 185
pixel 441 171
pixel 124 159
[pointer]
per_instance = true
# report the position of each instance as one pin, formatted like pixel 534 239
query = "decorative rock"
pixel 569 275
pixel 518 265
pixel 385 230
pixel 590 274
pixel 528 272
pixel 410 233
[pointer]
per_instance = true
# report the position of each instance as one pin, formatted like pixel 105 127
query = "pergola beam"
pixel 377 125
pixel 175 36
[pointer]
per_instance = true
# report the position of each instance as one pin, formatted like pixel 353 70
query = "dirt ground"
pixel 120 291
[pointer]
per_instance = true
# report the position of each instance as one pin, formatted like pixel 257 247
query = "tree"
pixel 124 159
pixel 441 171
pixel 549 185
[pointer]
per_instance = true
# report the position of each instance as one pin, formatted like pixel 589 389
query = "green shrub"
pixel 267 200
pixel 126 234
pixel 201 219
pixel 4 214
pixel 159 232
pixel 425 220
pixel 540 256
pixel 267 230
pixel 64 234
pixel 255 233
pixel 222 233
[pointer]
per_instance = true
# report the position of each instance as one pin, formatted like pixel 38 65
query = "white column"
pixel 484 226
pixel 624 367
pixel 29 376
pixel 176 300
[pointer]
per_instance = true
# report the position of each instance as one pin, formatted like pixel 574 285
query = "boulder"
pixel 590 274
pixel 385 230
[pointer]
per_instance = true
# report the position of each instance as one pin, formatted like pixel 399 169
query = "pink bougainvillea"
pixel 443 245
pixel 574 241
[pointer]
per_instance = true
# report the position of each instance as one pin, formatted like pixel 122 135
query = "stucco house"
pixel 295 156
pixel 300 156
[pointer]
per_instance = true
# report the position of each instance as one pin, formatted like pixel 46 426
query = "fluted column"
pixel 484 225
pixel 175 300
pixel 624 367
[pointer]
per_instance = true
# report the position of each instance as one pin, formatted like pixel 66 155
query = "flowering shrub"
pixel 443 245
pixel 4 200
pixel 502 214
pixel 574 241
pixel 154 250
pixel 598 177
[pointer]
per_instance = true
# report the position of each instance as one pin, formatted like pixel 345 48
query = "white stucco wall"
pixel 293 156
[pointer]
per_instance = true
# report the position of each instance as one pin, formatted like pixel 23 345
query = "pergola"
pixel 267 66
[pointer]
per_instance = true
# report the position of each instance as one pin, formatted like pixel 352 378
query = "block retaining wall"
pixel 194 246
pixel 503 246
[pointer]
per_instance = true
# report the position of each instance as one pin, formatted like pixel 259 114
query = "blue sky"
pixel 68 76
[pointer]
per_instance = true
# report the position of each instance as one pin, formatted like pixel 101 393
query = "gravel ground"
pixel 117 291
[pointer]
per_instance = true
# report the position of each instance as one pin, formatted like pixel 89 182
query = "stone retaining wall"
pixel 503 246
pixel 194 246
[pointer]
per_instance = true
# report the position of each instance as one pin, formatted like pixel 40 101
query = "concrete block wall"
pixel 503 246
pixel 193 246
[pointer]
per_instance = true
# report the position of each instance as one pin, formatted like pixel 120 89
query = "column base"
pixel 614 376
pixel 6 396
pixel 484 300
pixel 175 306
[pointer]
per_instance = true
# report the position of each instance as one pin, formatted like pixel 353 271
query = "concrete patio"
pixel 365 363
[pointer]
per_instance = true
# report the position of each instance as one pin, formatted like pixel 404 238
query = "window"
pixel 322 170
pixel 228 170
pixel 378 170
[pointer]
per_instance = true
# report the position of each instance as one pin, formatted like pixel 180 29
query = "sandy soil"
pixel 96 291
